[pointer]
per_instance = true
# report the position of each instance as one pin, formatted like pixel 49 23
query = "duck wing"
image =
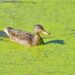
pixel 22 35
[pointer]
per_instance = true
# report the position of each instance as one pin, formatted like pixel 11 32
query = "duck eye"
pixel 38 27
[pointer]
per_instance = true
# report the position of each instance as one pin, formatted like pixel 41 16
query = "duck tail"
pixel 7 30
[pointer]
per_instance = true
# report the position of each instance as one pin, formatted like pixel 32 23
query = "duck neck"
pixel 37 39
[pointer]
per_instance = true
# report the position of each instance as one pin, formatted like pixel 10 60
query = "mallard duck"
pixel 26 38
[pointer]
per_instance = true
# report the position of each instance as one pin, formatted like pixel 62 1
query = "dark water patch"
pixel 13 1
pixel 55 41
pixel 3 34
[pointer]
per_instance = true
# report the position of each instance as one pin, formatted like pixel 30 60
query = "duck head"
pixel 39 29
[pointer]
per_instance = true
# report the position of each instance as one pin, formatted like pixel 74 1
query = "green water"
pixel 57 56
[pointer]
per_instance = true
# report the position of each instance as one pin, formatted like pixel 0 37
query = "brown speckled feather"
pixel 20 36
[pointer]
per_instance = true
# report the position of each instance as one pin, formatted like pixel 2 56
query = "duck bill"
pixel 46 33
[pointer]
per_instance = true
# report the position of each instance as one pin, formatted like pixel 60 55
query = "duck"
pixel 26 38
